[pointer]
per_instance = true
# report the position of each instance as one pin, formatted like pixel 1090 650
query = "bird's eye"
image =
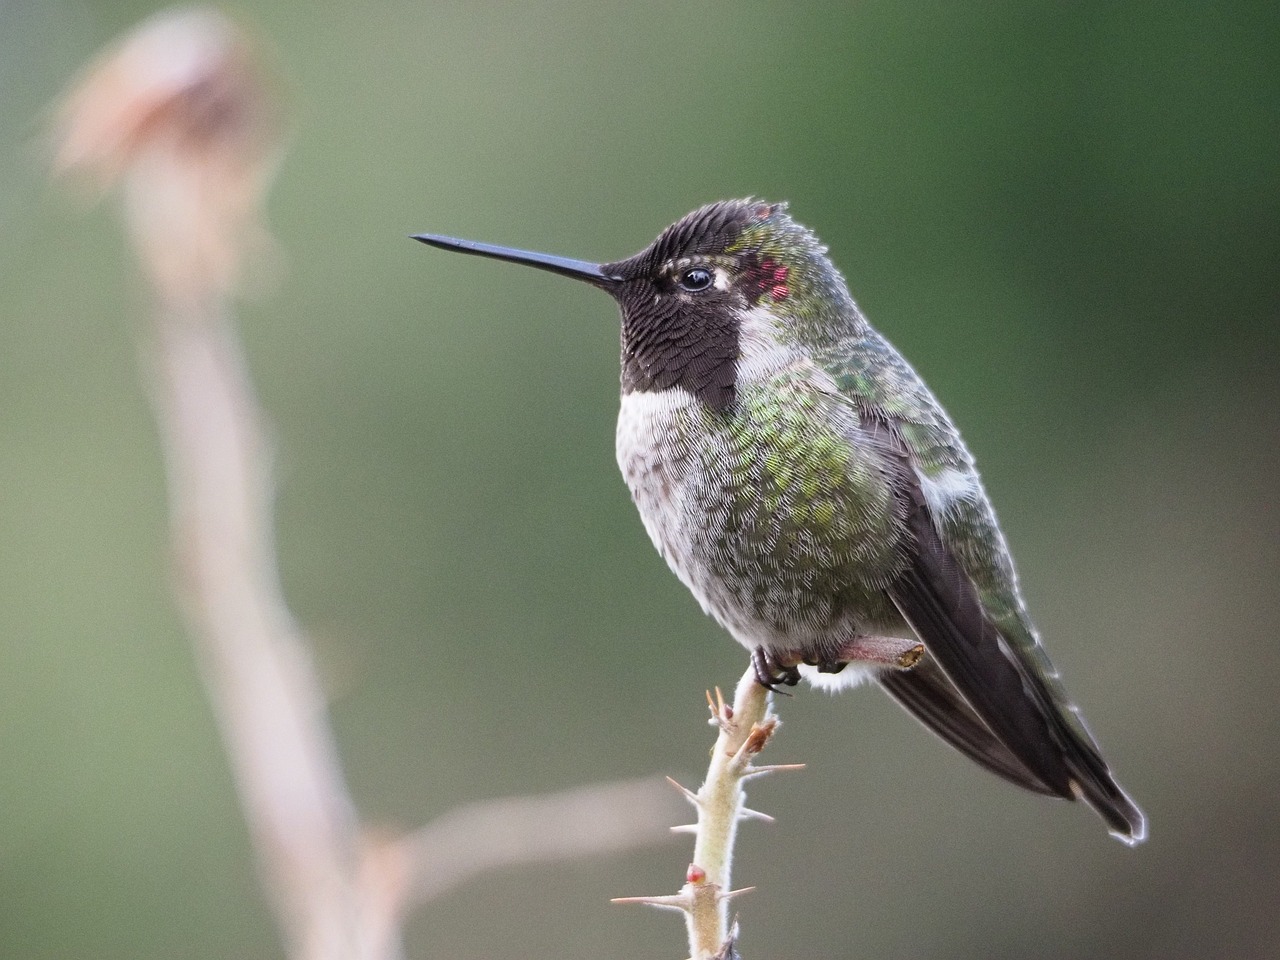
pixel 695 279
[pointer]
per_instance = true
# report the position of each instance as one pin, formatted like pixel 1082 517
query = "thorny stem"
pixel 721 797
pixel 745 728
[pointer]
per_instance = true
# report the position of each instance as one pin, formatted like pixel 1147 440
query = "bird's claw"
pixel 770 673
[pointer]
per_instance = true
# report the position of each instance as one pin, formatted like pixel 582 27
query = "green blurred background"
pixel 1067 216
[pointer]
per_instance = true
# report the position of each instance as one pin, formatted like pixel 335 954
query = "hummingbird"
pixel 803 482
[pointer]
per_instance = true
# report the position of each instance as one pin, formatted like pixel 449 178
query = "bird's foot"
pixel 775 668
pixel 771 671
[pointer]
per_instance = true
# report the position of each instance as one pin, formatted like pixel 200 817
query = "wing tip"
pixel 1124 818
pixel 1130 828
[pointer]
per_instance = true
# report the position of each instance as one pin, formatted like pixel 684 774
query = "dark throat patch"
pixel 668 341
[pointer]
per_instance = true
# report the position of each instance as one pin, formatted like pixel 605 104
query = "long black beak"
pixel 592 273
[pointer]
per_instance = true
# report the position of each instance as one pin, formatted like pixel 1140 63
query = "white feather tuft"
pixel 851 676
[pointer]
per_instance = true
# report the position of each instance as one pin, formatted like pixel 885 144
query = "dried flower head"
pixel 182 114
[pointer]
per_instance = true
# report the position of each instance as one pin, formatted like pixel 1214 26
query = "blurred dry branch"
pixel 182 114
pixel 481 836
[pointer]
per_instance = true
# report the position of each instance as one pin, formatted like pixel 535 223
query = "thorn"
pixel 760 734
pixel 721 712
pixel 677 901
pixel 724 897
pixel 755 743
pixel 688 794
pixel 746 813
pixel 752 772
pixel 685 828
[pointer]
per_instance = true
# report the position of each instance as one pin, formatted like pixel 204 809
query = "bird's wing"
pixel 1014 697
pixel 996 696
